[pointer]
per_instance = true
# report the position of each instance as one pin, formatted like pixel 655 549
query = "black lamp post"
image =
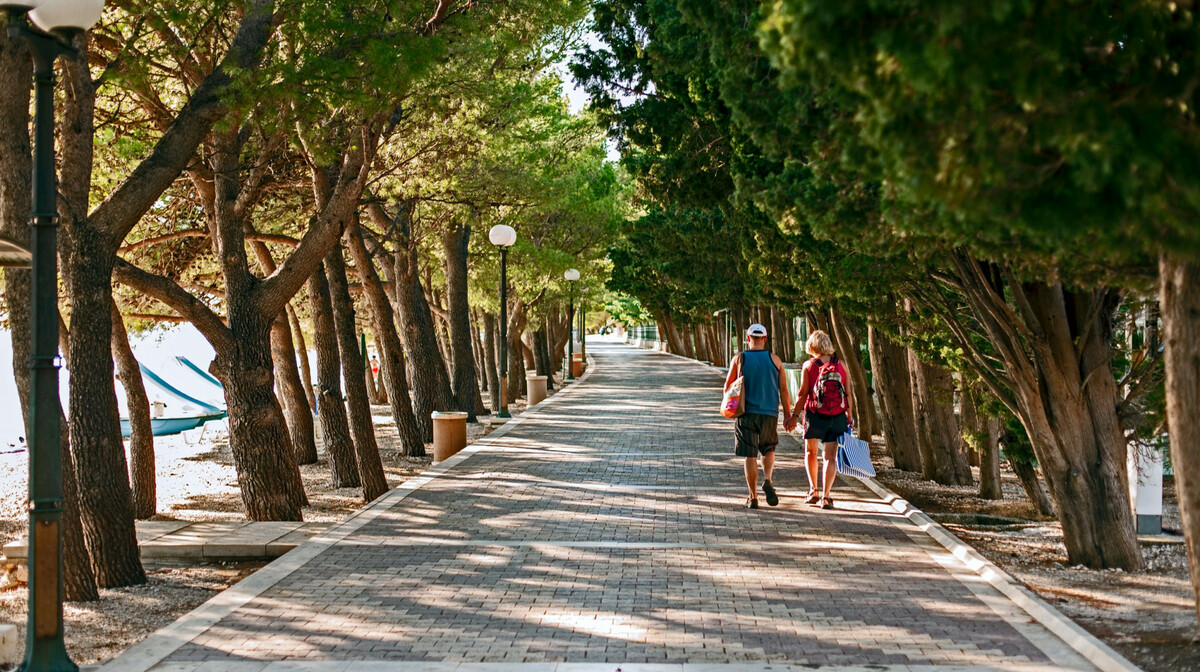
pixel 503 237
pixel 571 276
pixel 583 328
pixel 59 21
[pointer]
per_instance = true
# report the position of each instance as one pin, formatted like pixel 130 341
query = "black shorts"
pixel 825 428
pixel 754 434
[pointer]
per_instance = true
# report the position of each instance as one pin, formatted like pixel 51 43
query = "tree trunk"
pixel 430 384
pixel 942 456
pixel 561 324
pixel 381 389
pixel 391 352
pixel 970 421
pixel 88 254
pixel 778 337
pixel 989 461
pixel 141 435
pixel 295 402
pixel 516 355
pixel 851 354
pixel 544 344
pixel 674 341
pixel 104 493
pixel 362 429
pixel 1078 440
pixel 372 389
pixel 258 435
pixel 477 351
pixel 489 351
pixel 79 584
pixel 893 386
pixel 440 328
pixel 458 308
pixel 1032 484
pixel 541 357
pixel 302 351
pixel 1180 295
pixel 339 447
pixel 700 335
pixel 688 333
pixel 1055 374
pixel 291 392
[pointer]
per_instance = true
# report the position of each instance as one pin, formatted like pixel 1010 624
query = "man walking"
pixel 764 390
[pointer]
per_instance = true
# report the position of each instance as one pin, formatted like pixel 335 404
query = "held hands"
pixel 790 423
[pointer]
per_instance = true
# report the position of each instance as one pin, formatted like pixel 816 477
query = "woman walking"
pixel 828 413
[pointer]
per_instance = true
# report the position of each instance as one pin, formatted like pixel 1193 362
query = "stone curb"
pixel 1085 643
pixel 151 651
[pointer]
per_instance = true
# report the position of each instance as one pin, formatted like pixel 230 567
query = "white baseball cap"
pixel 756 329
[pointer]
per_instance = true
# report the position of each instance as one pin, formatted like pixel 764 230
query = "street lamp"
pixel 571 276
pixel 57 23
pixel 503 237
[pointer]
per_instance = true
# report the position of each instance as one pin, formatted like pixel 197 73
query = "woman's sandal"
pixel 751 502
pixel 812 497
pixel 826 502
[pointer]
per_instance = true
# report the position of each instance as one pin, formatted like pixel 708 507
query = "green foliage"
pixel 626 309
pixel 1058 136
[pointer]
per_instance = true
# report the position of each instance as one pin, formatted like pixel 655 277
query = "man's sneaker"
pixel 769 491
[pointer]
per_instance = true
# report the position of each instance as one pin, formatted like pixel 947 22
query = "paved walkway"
pixel 608 527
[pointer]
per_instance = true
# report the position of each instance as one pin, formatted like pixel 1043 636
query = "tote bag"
pixel 733 404
pixel 854 456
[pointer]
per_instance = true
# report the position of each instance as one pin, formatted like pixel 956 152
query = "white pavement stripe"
pixel 430 666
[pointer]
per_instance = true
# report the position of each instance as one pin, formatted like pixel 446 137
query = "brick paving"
pixel 610 528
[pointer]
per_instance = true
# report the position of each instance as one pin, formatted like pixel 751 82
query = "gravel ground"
pixel 1148 616
pixel 196 482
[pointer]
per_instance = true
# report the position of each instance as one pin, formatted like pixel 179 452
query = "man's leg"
pixel 752 475
pixel 768 464
pixel 830 466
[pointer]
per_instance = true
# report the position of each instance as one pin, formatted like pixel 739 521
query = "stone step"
pixel 180 540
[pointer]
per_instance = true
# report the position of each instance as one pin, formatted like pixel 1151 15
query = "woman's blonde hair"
pixel 819 344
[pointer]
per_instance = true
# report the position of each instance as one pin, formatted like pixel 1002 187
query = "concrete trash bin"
pixel 577 365
pixel 536 386
pixel 449 434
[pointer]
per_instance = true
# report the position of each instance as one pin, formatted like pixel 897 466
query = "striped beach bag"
pixel 854 456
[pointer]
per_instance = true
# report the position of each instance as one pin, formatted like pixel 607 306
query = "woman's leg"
pixel 830 466
pixel 812 446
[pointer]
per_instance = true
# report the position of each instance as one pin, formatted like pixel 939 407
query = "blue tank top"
pixel 761 383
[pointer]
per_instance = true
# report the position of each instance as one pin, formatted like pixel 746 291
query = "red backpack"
pixel 828 394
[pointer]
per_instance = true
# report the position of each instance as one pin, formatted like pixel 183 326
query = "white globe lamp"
pixel 502 235
pixel 65 15
pixel 571 275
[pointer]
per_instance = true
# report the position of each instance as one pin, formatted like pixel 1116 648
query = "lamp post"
pixel 571 276
pixel 57 23
pixel 583 328
pixel 503 237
